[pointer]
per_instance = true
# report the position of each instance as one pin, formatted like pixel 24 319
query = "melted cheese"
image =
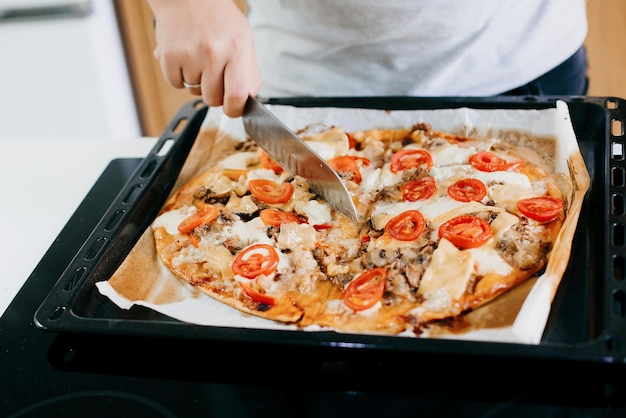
pixel 329 143
pixel 393 209
pixel 443 214
pixel 240 160
pixel 510 178
pixel 370 180
pixel 449 269
pixel 387 178
pixel 170 220
pixel 265 173
pixel 219 258
pixel 293 235
pixel 451 173
pixel 451 155
pixel 488 260
pixel 303 261
pixel 325 150
pixel 502 223
pixel 241 205
pixel 317 212
pixel 250 232
pixel 267 283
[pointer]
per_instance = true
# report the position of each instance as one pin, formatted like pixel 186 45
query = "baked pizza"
pixel 447 224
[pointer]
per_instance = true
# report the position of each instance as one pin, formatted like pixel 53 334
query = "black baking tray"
pixel 587 323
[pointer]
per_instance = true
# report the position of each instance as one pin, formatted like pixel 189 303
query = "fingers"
pixel 229 86
pixel 241 79
pixel 179 68
pixel 207 48
pixel 226 79
pixel 193 83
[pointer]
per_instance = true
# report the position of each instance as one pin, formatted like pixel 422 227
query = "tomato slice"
pixel 542 209
pixel 466 231
pixel 255 260
pixel 277 217
pixel 267 162
pixel 467 190
pixel 270 192
pixel 348 166
pixel 257 296
pixel 411 158
pixel 407 226
pixel 367 289
pixel 420 189
pixel 204 216
pixel 488 161
pixel 351 141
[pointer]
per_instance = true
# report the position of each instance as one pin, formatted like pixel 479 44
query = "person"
pixel 282 48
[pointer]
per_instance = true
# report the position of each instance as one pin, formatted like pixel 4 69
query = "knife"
pixel 295 156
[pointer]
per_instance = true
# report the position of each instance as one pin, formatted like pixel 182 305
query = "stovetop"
pixel 49 374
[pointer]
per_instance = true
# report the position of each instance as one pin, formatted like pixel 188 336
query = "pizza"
pixel 447 224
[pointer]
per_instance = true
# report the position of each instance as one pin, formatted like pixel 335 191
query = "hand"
pixel 207 42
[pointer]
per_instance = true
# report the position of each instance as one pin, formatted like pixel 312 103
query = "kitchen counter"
pixel 42 184
pixel 64 75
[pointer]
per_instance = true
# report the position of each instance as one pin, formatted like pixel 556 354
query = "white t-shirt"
pixel 411 47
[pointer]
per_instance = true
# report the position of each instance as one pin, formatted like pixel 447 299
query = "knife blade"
pixel 295 156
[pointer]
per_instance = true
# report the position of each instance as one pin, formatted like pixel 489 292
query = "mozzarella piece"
pixel 451 155
pixel 370 180
pixel 451 173
pixel 387 178
pixel 507 196
pixel 442 215
pixel 436 301
pixel 241 205
pixel 222 185
pixel 324 150
pixel 328 144
pixel 317 213
pixel 304 261
pixel 510 178
pixel 219 258
pixel 171 219
pixel 502 223
pixel 393 209
pixel 488 260
pixel 449 269
pixel 293 235
pixel 264 173
pixel 335 269
pixel 251 232
pixel 239 160
pixel 215 258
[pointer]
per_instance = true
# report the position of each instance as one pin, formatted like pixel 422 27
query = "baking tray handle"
pixel 128 216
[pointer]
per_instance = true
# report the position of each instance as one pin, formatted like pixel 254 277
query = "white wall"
pixel 64 77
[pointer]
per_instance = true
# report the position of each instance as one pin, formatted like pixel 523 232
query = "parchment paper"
pixel 519 316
